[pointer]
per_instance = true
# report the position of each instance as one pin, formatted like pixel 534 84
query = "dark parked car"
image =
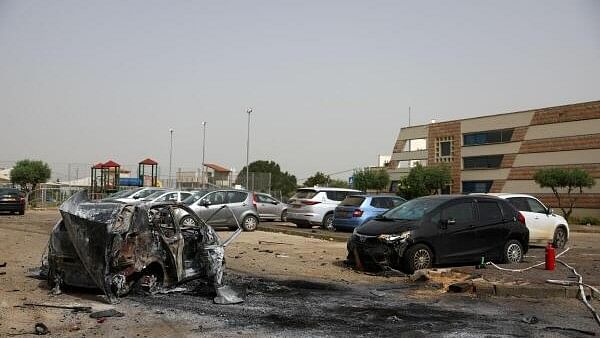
pixel 443 229
pixel 12 200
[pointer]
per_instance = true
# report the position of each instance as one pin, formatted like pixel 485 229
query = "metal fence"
pixel 51 195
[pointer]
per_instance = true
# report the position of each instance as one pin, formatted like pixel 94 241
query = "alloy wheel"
pixel 421 259
pixel 514 253
pixel 250 223
pixel 560 238
pixel 188 221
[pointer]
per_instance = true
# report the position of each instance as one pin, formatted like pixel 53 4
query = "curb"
pixel 588 229
pixel 308 233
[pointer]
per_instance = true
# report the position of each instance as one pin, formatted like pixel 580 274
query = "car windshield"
pixel 413 210
pixel 146 193
pixel 154 195
pixel 352 201
pixel 196 195
pixel 122 193
pixel 305 193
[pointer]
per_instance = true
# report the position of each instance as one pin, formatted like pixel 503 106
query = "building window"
pixel 415 144
pixel 476 186
pixel 482 162
pixel 488 137
pixel 411 163
pixel 444 151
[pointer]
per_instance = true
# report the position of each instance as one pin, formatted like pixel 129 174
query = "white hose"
pixel 528 268
pixel 582 292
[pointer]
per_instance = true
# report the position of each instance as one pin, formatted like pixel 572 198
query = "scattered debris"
pixel 266 250
pixel 460 287
pixel 107 313
pixel 269 242
pixel 3 265
pixel 228 295
pixel 281 256
pixel 419 276
pixel 173 290
pixel 2 273
pixel 75 308
pixel 41 329
pixel 530 320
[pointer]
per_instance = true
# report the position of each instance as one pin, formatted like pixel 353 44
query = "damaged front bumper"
pixel 379 252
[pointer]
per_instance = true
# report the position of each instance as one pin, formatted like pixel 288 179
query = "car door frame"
pixel 491 235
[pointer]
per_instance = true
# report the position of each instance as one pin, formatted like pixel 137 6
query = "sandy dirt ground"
pixel 295 282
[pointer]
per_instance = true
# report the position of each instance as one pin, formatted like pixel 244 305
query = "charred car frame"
pixel 116 247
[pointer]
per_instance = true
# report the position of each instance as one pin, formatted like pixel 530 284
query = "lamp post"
pixel 203 149
pixel 249 111
pixel 171 159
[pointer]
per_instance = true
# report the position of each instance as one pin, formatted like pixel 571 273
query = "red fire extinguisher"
pixel 550 257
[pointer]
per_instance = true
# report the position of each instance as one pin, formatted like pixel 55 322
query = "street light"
pixel 249 110
pixel 171 159
pixel 203 148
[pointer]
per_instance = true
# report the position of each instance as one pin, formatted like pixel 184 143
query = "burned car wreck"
pixel 118 247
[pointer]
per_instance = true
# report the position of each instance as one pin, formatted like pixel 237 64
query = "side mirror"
pixel 136 197
pixel 205 203
pixel 549 211
pixel 445 222
pixel 274 202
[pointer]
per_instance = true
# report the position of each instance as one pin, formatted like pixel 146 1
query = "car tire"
pixel 284 216
pixel 327 223
pixel 250 223
pixel 418 257
pixel 187 221
pixel 150 281
pixel 560 238
pixel 22 212
pixel 513 252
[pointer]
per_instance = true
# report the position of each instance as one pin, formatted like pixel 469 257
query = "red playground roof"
pixel 111 164
pixel 98 166
pixel 149 161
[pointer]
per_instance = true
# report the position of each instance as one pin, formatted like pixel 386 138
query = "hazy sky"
pixel 330 81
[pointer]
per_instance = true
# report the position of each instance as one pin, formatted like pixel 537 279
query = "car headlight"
pixel 394 237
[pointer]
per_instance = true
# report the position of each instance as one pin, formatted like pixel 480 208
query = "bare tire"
pixel 187 221
pixel 418 257
pixel 284 216
pixel 560 238
pixel 513 252
pixel 250 223
pixel 327 223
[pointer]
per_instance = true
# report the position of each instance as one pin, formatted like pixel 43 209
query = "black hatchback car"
pixel 445 229
pixel 12 200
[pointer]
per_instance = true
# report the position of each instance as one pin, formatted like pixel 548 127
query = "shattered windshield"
pixel 413 210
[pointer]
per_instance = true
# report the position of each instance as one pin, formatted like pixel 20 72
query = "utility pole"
pixel 249 111
pixel 203 149
pixel 171 159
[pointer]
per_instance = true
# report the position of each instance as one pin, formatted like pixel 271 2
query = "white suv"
pixel 315 206
pixel 543 224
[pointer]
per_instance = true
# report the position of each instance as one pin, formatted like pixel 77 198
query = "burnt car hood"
pixel 90 229
pixel 377 226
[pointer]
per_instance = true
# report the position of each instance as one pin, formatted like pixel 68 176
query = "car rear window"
pixel 305 193
pixel 352 201
pixel 489 211
pixel 9 191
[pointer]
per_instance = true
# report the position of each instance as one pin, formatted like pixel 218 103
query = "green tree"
pixel 280 181
pixel 318 179
pixel 423 181
pixel 566 184
pixel 28 174
pixel 371 179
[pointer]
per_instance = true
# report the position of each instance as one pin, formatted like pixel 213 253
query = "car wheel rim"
pixel 250 223
pixel 189 222
pixel 329 223
pixel 513 253
pixel 422 259
pixel 561 238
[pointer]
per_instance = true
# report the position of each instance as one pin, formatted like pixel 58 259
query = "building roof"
pixel 149 161
pixel 217 168
pixel 98 166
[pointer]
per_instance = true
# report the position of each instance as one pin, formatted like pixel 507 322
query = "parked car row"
pixel 12 200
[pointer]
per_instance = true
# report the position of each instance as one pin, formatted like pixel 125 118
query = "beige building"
pixel 501 153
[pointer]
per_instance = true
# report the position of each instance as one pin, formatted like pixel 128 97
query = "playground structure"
pixel 106 177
